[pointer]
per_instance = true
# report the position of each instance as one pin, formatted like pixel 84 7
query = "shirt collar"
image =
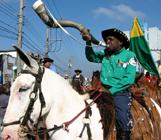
pixel 119 51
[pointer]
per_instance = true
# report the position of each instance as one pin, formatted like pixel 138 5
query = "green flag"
pixel 140 47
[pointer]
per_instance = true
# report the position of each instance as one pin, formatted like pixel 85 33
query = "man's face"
pixel 113 43
pixel 48 64
pixel 77 73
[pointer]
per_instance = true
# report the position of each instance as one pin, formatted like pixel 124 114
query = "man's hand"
pixel 86 37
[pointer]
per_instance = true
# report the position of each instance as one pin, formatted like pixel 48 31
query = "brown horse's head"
pixel 96 79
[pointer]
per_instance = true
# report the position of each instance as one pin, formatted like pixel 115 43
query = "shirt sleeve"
pixel 91 55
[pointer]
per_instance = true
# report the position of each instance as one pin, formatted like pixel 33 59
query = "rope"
pixel 66 124
pixel 64 30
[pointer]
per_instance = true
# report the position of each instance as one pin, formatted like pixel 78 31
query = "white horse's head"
pixel 39 92
pixel 26 100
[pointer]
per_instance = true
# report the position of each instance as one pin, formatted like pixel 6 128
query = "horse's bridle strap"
pixel 32 100
pixel 35 90
pixel 11 123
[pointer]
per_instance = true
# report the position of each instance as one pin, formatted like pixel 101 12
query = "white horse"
pixel 62 104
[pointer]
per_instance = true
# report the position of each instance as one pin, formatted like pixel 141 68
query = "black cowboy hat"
pixel 118 34
pixel 78 70
pixel 47 59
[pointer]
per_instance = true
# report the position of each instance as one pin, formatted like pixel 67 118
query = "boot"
pixel 123 135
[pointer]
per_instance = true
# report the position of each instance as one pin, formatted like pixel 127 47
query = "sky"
pixel 95 15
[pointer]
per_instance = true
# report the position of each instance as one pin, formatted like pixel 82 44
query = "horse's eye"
pixel 23 89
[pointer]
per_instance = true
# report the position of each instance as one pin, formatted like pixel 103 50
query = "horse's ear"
pixel 24 57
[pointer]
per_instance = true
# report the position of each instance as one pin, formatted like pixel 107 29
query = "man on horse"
pixel 118 73
pixel 78 80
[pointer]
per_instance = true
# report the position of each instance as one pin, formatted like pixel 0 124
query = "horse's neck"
pixel 96 83
pixel 61 99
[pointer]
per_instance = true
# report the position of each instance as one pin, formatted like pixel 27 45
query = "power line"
pixel 32 48
pixel 8 6
pixel 8 25
pixel 31 28
pixel 8 37
pixel 56 9
pixel 8 14
pixel 8 31
pixel 8 10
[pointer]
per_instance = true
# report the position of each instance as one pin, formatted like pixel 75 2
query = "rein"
pixel 33 96
pixel 24 128
pixel 65 125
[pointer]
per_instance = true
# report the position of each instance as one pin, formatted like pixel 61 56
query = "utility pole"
pixel 47 42
pixel 69 67
pixel 20 27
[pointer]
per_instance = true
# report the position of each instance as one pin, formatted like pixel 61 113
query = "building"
pixel 7 63
pixel 154 40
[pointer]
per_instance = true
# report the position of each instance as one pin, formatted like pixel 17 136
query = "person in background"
pixel 117 74
pixel 4 97
pixel 148 77
pixel 78 80
pixel 159 68
pixel 159 75
pixel 48 62
pixel 66 76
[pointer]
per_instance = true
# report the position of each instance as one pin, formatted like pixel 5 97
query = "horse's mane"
pixel 105 104
pixel 96 74
pixel 138 77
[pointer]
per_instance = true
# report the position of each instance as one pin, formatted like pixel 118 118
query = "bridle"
pixel 23 121
pixel 24 128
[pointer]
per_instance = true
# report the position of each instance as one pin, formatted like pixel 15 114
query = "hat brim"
pixel 118 34
pixel 78 71
pixel 48 60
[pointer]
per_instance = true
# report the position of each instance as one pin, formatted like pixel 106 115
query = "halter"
pixel 24 127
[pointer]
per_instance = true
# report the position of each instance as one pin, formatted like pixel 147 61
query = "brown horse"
pixel 151 89
pixel 146 119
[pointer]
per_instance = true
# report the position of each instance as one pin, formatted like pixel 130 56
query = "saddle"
pixel 146 120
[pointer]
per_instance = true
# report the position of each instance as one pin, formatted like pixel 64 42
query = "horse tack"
pixel 24 128
pixel 152 88
pixel 142 128
pixel 154 115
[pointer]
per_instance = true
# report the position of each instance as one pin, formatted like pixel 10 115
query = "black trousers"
pixel 122 102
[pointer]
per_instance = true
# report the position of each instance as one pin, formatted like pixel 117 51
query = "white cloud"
pixel 119 12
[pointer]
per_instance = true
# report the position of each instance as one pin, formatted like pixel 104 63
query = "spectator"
pixel 66 77
pixel 48 62
pixel 78 80
pixel 148 77
pixel 4 97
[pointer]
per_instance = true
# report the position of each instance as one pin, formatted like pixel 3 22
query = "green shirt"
pixel 118 70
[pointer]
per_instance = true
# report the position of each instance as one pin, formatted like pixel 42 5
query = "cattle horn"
pixel 39 8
